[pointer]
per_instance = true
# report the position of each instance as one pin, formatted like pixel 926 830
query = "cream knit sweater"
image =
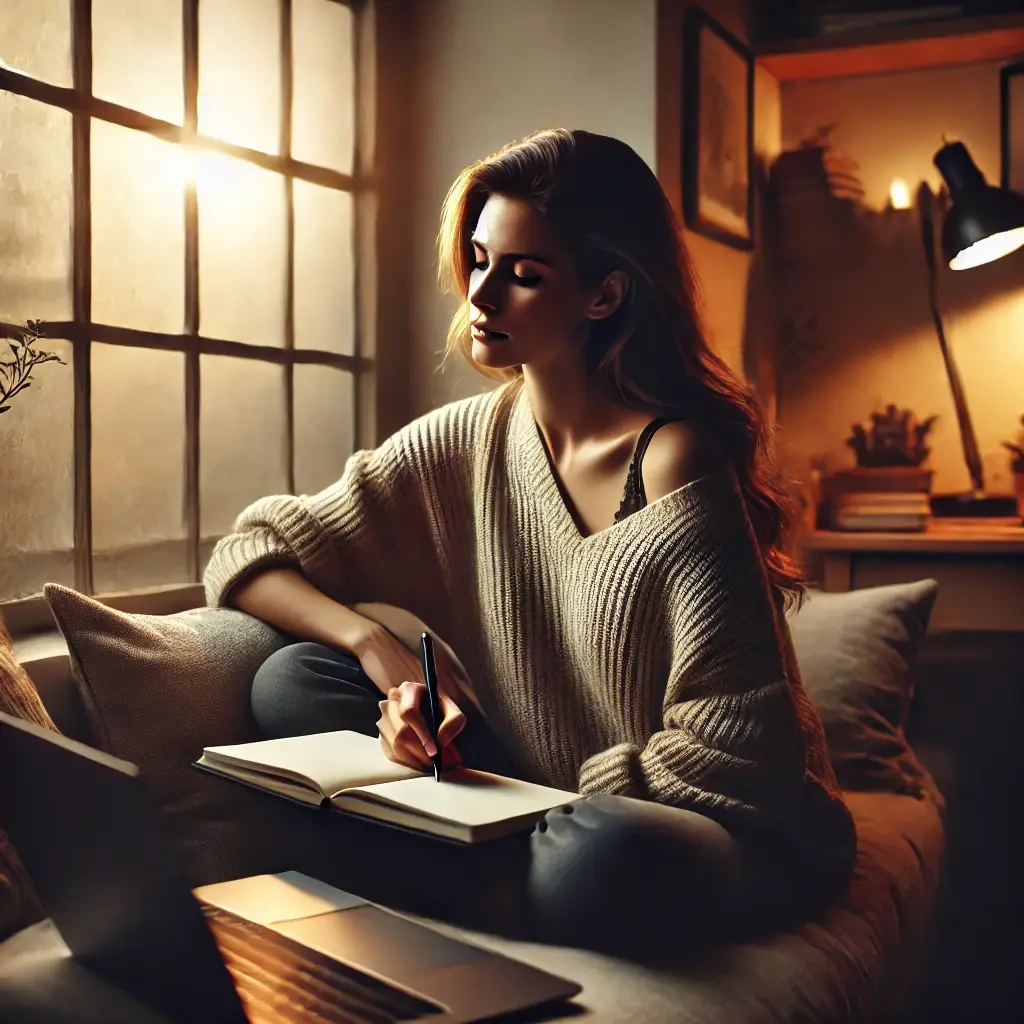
pixel 649 659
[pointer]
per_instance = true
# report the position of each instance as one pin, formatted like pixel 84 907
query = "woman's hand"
pixel 398 674
pixel 404 733
pixel 383 657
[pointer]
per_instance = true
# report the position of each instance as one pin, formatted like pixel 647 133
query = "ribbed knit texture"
pixel 649 659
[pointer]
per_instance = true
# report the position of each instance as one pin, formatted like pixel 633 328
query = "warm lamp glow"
pixel 988 249
pixel 899 194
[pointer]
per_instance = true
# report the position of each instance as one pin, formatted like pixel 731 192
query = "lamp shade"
pixel 984 222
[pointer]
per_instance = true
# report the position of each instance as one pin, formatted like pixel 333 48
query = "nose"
pixel 482 293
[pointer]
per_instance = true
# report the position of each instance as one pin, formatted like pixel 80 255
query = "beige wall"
pixel 867 298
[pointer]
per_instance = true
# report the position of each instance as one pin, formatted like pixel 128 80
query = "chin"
pixel 497 355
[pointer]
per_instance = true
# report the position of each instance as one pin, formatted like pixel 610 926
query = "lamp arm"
pixel 963 417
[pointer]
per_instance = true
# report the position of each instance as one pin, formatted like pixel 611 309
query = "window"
pixel 179 185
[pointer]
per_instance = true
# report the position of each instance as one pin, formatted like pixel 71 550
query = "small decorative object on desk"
pixel 895 438
pixel 889 488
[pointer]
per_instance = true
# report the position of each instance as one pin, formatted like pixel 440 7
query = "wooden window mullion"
pixel 190 49
pixel 81 290
pixel 289 295
pixel 358 213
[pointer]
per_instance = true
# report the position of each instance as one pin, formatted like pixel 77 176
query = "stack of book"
pixel 894 499
pixel 879 511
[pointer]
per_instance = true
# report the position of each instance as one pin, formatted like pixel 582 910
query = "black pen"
pixel 433 700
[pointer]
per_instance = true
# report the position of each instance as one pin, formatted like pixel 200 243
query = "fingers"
pixel 403 728
pixel 450 756
pixel 411 698
pixel 452 723
pixel 405 735
pixel 395 749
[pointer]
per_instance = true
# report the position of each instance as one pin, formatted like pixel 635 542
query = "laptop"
pixel 284 948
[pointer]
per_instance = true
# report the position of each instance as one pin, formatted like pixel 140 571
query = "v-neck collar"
pixel 549 491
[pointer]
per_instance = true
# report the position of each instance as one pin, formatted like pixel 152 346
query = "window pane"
pixel 242 265
pixel 323 88
pixel 240 72
pixel 35 200
pixel 37 479
pixel 323 425
pixel 138 230
pixel 241 438
pixel 323 269
pixel 138 468
pixel 36 39
pixel 137 55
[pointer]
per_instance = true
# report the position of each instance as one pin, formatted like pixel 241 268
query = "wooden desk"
pixel 979 567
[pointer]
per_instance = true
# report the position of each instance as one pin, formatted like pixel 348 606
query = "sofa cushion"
pixel 858 653
pixel 159 688
pixel 19 905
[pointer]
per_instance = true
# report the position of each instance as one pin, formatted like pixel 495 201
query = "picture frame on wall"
pixel 718 132
pixel 1011 126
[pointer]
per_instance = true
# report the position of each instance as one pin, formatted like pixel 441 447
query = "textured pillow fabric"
pixel 159 688
pixel 19 905
pixel 858 654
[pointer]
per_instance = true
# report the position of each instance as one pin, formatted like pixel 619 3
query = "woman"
pixel 600 541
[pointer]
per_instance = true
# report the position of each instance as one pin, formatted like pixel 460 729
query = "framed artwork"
pixel 718 132
pixel 1011 125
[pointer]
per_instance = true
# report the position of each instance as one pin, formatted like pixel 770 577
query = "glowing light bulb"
pixel 988 249
pixel 899 194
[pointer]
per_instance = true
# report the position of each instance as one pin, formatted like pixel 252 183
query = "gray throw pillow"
pixel 159 688
pixel 858 653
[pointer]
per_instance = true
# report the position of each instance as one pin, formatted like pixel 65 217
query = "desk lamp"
pixel 982 224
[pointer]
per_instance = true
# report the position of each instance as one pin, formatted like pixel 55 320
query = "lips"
pixel 481 333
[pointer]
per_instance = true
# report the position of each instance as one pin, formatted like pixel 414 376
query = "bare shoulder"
pixel 680 453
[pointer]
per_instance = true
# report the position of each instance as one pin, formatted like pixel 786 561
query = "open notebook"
pixel 350 772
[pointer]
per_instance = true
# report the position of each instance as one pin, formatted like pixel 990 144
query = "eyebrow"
pixel 515 256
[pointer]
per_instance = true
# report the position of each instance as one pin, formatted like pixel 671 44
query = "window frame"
pixel 29 614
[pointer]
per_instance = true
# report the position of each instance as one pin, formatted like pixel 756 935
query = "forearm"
pixel 286 599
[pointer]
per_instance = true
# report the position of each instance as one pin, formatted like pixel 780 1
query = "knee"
pixel 602 841
pixel 619 867
pixel 279 690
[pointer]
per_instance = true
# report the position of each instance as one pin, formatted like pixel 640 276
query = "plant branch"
pixel 23 358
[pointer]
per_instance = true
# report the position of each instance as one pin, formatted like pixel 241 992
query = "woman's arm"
pixel 286 599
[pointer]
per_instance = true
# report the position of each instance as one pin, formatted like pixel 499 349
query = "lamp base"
pixel 974 506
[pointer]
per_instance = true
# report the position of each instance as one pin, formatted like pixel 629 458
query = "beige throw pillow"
pixel 19 906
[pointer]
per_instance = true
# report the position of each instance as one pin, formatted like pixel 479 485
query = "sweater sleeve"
pixel 731 743
pixel 380 533
pixel 327 536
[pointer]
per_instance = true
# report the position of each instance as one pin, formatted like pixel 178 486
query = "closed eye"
pixel 525 280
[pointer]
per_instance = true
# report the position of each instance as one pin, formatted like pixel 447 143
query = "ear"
pixel 609 296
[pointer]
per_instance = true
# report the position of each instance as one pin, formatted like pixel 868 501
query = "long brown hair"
pixel 610 211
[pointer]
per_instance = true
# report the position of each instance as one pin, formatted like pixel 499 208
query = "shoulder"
pixel 449 429
pixel 680 453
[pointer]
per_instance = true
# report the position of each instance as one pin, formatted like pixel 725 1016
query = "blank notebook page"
pixel 470 797
pixel 333 760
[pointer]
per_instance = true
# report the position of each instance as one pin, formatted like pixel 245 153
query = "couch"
pixel 156 689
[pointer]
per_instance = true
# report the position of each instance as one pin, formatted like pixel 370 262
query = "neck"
pixel 569 405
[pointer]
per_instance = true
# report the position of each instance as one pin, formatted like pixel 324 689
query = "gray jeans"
pixel 627 877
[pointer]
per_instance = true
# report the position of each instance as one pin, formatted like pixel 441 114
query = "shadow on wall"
pixel 852 282
pixel 762 316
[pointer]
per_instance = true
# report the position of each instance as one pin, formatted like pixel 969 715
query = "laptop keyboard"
pixel 283 982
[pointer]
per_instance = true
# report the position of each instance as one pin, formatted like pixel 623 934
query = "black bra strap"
pixel 635 498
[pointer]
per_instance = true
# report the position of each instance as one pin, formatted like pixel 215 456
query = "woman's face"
pixel 526 301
